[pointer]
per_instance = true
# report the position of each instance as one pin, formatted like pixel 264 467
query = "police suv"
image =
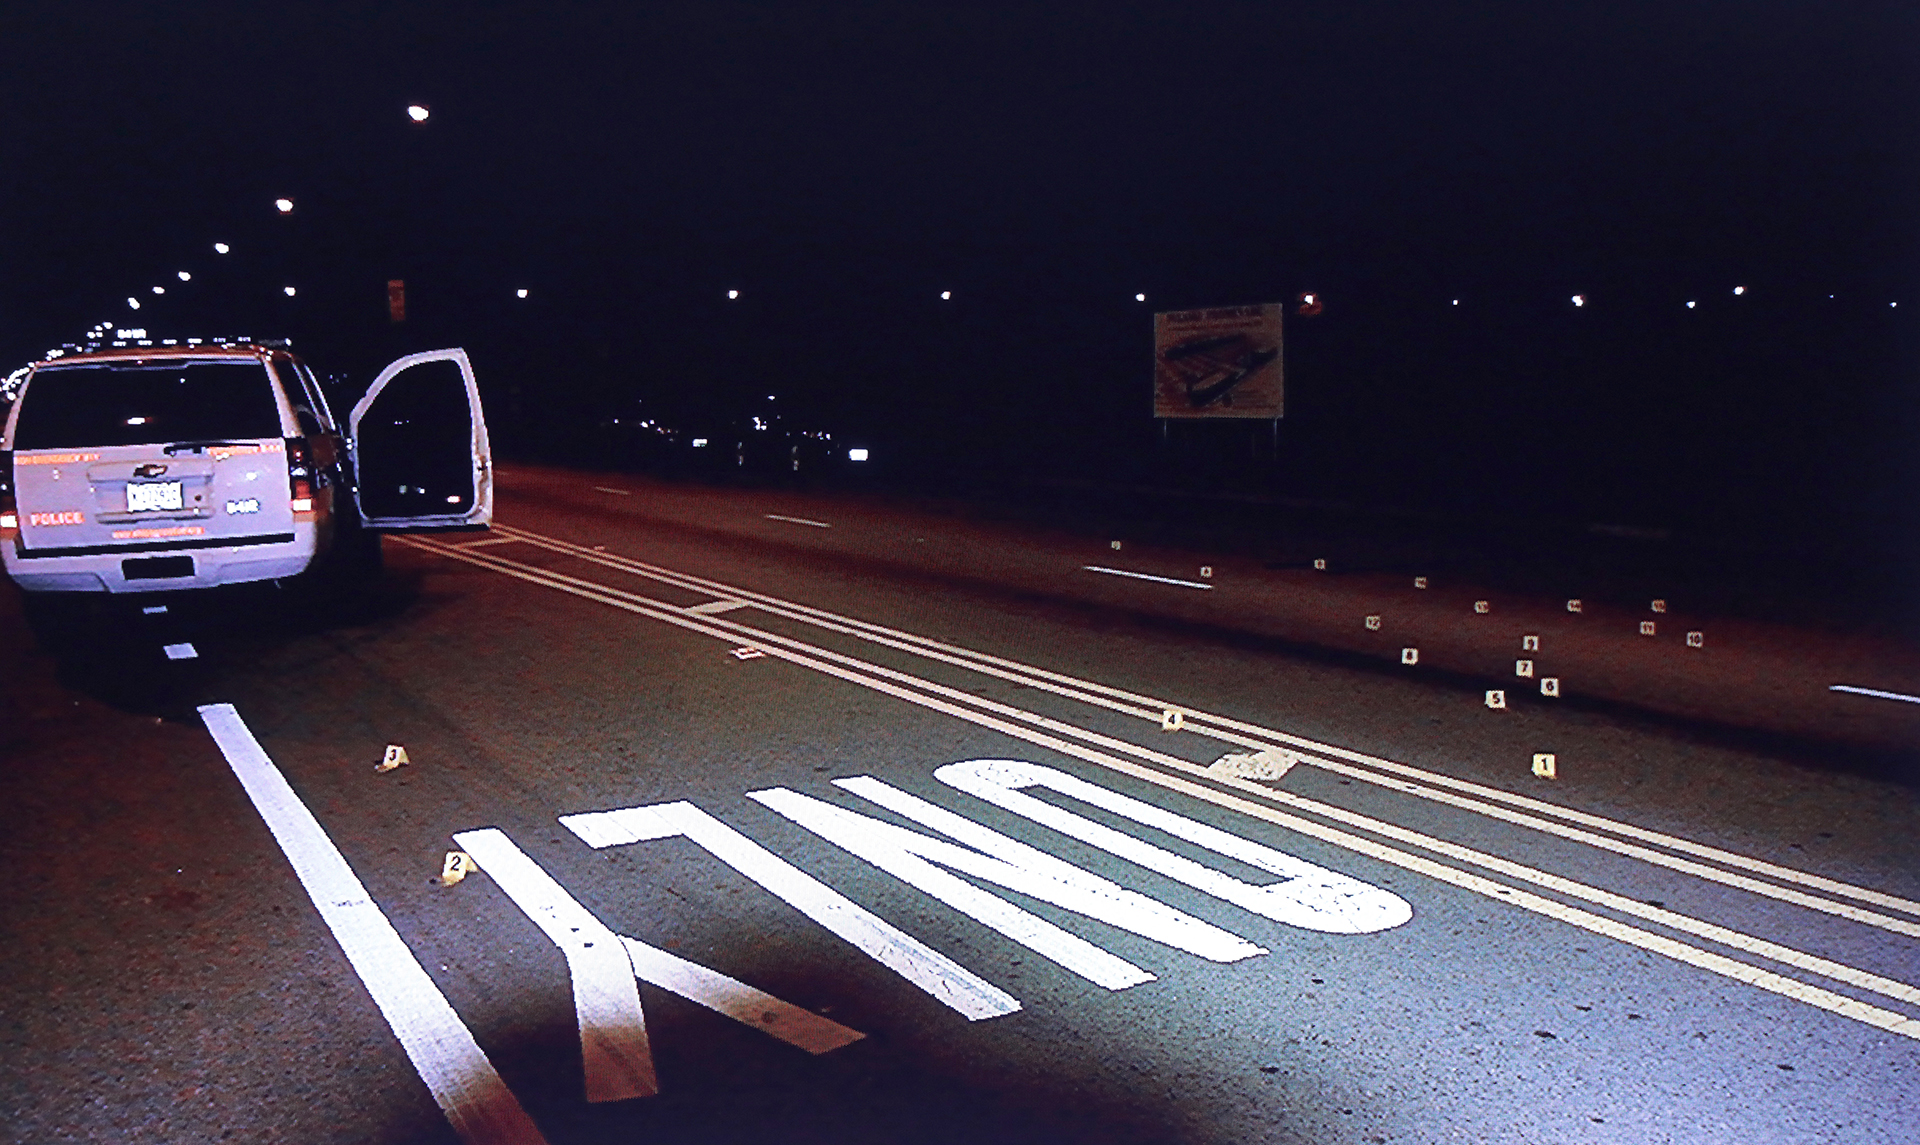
pixel 131 469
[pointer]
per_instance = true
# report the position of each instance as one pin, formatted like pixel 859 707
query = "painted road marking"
pixel 1147 576
pixel 570 924
pixel 181 652
pixel 484 542
pixel 798 521
pixel 716 607
pixel 154 609
pixel 945 980
pixel 1307 896
pixel 824 661
pixel 1874 692
pixel 1236 732
pixel 734 999
pixel 606 1002
pixel 615 492
pixel 1120 700
pixel 481 1108
pixel 910 857
pixel 861 836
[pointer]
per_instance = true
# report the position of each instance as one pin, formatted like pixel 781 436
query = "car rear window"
pixel 102 404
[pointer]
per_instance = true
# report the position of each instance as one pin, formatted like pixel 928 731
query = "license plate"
pixel 154 497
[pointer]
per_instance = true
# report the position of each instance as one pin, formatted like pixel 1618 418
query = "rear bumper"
pixel 163 566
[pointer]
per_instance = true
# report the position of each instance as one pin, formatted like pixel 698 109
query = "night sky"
pixel 841 166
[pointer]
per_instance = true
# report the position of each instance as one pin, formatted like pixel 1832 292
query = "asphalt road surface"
pixel 774 844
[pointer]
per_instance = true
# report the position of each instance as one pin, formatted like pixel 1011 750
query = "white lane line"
pixel 716 607
pixel 1874 692
pixel 615 492
pixel 948 982
pixel 181 652
pixel 1149 576
pixel 482 1110
pixel 1145 707
pixel 737 1000
pixel 798 521
pixel 1646 940
pixel 491 541
pixel 606 1003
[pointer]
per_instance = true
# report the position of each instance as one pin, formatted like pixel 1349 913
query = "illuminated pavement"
pixel 1377 925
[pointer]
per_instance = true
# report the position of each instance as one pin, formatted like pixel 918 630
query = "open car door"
pixel 419 442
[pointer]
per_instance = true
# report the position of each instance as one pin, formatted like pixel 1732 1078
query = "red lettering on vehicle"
pixel 56 518
pixel 54 458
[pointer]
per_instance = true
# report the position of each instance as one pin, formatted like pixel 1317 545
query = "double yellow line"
pixel 1167 771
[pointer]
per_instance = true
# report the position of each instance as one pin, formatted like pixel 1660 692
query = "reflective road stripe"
pixel 482 1110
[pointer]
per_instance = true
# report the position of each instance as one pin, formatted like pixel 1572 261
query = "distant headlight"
pixel 699 443
pixel 856 455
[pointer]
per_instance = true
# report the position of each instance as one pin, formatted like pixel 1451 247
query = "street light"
pixel 1139 298
pixel 1579 300
pixel 733 294
pixel 520 293
pixel 185 277
pixel 159 290
pixel 288 290
pixel 1739 290
pixel 945 294
pixel 221 248
pixel 417 112
pixel 132 302
pixel 284 206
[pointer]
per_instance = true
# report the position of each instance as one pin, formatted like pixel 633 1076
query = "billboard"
pixel 1220 362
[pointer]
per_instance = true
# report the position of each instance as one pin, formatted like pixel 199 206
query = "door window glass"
pixel 415 445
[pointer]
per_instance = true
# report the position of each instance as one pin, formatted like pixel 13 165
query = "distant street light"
pixel 132 302
pixel 221 248
pixel 284 206
pixel 159 290
pixel 733 294
pixel 1739 290
pixel 1579 300
pixel 417 112
pixel 945 294
pixel 288 290
pixel 1689 304
pixel 1139 298
pixel 520 293
pixel 185 277
pixel 1456 302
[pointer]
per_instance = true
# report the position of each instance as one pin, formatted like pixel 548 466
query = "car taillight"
pixel 9 508
pixel 299 475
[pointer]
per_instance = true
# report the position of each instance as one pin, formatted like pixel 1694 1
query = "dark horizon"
pixel 842 169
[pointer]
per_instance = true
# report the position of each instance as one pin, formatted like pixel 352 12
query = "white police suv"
pixel 141 468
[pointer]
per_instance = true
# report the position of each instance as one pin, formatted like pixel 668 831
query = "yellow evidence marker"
pixel 396 755
pixel 1172 720
pixel 457 866
pixel 1543 764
